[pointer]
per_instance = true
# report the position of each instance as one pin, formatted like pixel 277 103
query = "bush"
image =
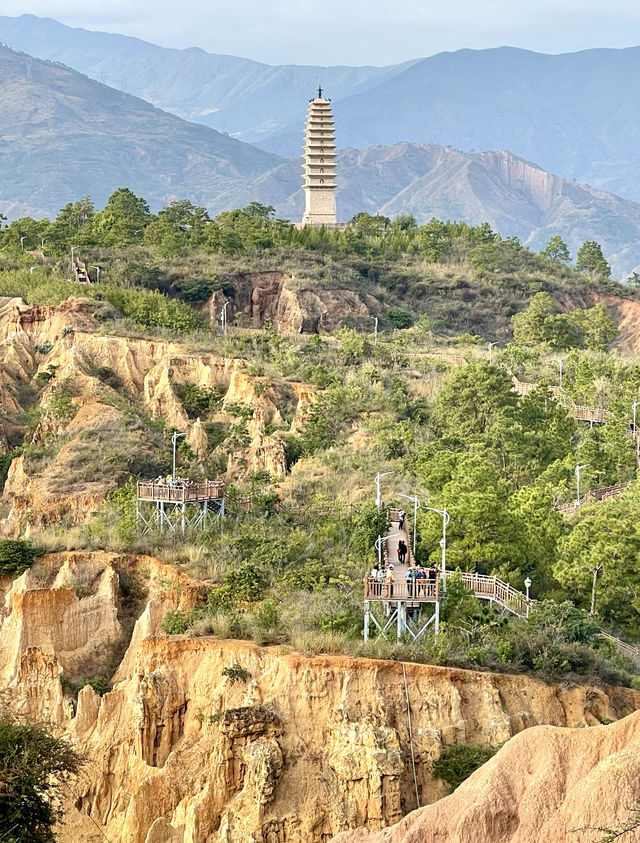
pixel 33 766
pixel 176 622
pixel 400 318
pixel 458 761
pixel 236 673
pixel 16 555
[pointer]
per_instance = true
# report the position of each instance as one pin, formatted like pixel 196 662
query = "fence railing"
pixel 492 588
pixel 419 591
pixel 623 647
pixel 178 492
pixel 604 494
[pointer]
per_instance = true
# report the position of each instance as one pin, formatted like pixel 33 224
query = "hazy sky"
pixel 351 31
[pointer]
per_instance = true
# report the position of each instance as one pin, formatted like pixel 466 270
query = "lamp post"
pixel 378 477
pixel 97 269
pixel 635 432
pixel 72 251
pixel 174 440
pixel 31 268
pixel 375 331
pixel 416 507
pixel 491 344
pixel 527 585
pixel 379 541
pixel 559 361
pixel 443 541
pixel 22 239
pixel 223 318
pixel 578 470
pixel 42 242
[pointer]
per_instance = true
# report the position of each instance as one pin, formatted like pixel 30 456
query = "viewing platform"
pixel 178 504
pixel 180 491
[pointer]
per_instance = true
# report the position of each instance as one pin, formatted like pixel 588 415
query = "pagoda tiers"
pixel 319 164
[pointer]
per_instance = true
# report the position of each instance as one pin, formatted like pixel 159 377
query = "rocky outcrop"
pixel 545 784
pixel 289 304
pixel 224 741
pixel 107 378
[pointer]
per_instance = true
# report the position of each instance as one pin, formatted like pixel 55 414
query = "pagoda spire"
pixel 319 165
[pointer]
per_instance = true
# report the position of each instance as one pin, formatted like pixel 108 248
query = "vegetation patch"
pixel 458 761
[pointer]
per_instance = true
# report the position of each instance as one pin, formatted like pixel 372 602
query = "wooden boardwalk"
pixel 604 494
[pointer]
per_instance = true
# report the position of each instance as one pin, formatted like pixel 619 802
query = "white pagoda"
pixel 319 164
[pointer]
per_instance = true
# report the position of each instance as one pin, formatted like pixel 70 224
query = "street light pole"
pixel 559 361
pixel 223 319
pixel 416 507
pixel 379 542
pixel 174 440
pixel 443 541
pixel 527 585
pixel 97 269
pixel 635 432
pixel 22 239
pixel 491 344
pixel 578 470
pixel 377 479
pixel 375 331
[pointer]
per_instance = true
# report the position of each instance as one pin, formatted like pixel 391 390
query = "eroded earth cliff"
pixel 208 740
pixel 83 389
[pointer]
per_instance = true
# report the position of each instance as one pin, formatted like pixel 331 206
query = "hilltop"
pixel 517 198
pixel 248 99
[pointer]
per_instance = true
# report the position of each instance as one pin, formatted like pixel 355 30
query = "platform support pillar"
pixel 367 613
pixel 402 618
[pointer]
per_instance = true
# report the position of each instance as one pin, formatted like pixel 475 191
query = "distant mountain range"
pixel 514 196
pixel 63 135
pixel 577 114
pixel 249 100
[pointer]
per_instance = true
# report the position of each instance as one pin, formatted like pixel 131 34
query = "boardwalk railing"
pixel 492 588
pixel 626 649
pixel 419 591
pixel 180 492
pixel 604 494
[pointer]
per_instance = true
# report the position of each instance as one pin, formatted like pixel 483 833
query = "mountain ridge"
pixel 63 135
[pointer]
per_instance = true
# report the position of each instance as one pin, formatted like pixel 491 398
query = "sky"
pixel 351 31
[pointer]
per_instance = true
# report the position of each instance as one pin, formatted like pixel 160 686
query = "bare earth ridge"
pixel 547 783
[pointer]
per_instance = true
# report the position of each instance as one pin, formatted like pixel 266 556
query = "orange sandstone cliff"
pixel 297 749
pixel 547 784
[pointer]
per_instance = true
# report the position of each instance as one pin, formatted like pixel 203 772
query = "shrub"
pixel 33 766
pixel 100 684
pixel 176 622
pixel 236 673
pixel 400 318
pixel 458 761
pixel 16 555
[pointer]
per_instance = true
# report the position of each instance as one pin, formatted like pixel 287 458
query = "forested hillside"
pixel 306 421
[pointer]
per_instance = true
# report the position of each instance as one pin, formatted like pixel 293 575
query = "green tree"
pixel 531 326
pixel 590 259
pixel 33 767
pixel 601 557
pixel 16 555
pixel 123 219
pixel 471 400
pixel 557 251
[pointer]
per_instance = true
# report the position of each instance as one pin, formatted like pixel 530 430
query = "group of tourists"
pixel 417 577
pixel 420 581
pixel 174 482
